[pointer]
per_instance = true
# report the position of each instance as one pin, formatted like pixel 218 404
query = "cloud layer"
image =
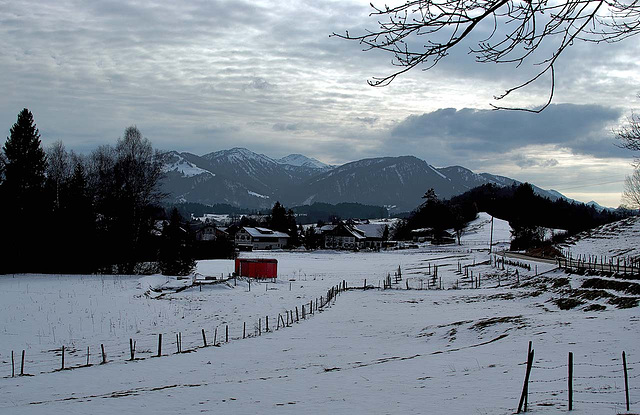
pixel 201 76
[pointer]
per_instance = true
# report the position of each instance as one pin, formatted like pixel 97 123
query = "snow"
pixel 299 160
pixel 617 239
pixel 375 351
pixel 186 168
pixel 257 195
pixel 437 172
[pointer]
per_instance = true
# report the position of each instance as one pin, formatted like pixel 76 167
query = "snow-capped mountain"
pixel 298 160
pixel 243 178
pixel 177 163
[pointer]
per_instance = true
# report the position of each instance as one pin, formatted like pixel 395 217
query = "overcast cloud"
pixel 202 76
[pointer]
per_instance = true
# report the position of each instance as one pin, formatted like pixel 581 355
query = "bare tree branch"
pixel 423 32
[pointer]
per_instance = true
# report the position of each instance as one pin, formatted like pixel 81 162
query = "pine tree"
pixel 22 194
pixel 25 163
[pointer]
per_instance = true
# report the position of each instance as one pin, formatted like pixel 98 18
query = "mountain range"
pixel 242 178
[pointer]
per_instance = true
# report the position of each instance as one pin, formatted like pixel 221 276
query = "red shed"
pixel 257 267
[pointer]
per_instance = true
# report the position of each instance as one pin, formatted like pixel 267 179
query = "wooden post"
pixel 226 334
pixel 13 366
pixel 62 367
pixel 570 381
pixel 215 336
pixel 204 339
pixel 131 351
pixel 303 315
pixel 259 327
pixel 267 323
pixel 525 387
pixel 177 343
pixel 87 357
pixel 278 324
pixel 159 344
pixel 104 355
pixel 626 379
pixel 244 329
pixel 297 319
pixel 364 287
pixel 22 365
pixel 526 395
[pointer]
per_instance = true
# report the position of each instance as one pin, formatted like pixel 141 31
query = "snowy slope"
pixel 299 160
pixel 175 162
pixel 617 239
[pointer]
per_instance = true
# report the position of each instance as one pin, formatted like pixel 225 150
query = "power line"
pixel 590 185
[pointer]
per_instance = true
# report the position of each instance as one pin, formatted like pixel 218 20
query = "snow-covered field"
pixel 375 351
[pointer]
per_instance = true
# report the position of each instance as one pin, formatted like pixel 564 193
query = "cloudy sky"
pixel 207 75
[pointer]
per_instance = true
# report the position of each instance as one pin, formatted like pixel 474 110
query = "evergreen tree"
pixel 22 194
pixel 25 163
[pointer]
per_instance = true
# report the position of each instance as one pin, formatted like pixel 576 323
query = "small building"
pixel 248 239
pixel 261 268
pixel 203 231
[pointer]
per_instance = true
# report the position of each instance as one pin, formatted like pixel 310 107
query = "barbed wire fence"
pixel 583 383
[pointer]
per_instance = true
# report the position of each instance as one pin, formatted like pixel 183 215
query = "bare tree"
pixel 58 169
pixel 517 30
pixel 631 194
pixel 629 135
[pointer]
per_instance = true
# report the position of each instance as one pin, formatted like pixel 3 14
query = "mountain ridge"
pixel 243 178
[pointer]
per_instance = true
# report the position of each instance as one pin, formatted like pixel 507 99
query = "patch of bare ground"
pixel 605 284
pixel 482 324
pixel 624 302
pixel 567 303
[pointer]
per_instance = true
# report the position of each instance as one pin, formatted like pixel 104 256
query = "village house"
pixel 344 236
pixel 248 239
pixel 353 236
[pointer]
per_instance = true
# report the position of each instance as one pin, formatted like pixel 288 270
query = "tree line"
pixel 72 213
pixel 527 213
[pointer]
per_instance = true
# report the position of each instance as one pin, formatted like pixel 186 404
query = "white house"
pixel 260 238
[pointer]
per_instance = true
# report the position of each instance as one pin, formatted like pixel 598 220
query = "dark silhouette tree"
pixel 23 198
pixel 25 163
pixel 176 250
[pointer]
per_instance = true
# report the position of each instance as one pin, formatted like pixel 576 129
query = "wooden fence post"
pixel 13 367
pixel 204 339
pixel 22 365
pixel 131 351
pixel 226 334
pixel 87 356
pixel 626 379
pixel 267 324
pixel 215 336
pixel 104 355
pixel 526 395
pixel 570 380
pixel 244 329
pixel 62 366
pixel 159 344
pixel 525 387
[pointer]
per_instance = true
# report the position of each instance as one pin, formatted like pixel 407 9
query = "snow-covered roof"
pixel 262 232
pixel 371 230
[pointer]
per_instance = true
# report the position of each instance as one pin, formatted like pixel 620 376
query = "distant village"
pixel 351 235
